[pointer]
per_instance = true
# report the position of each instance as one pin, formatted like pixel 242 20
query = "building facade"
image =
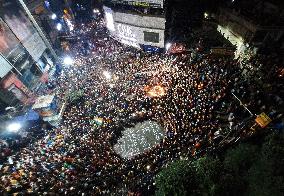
pixel 254 24
pixel 140 24
pixel 26 54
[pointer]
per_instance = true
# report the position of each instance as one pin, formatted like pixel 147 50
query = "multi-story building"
pixel 26 54
pixel 46 18
pixel 139 23
pixel 255 24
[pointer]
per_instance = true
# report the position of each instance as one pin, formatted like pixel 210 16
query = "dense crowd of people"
pixel 77 157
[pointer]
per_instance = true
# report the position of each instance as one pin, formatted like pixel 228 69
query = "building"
pixel 252 24
pixel 47 19
pixel 140 24
pixel 26 54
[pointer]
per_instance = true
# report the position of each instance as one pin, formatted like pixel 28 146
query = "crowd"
pixel 77 157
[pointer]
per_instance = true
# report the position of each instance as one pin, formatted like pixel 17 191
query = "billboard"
pixel 11 48
pixel 8 40
pixel 135 30
pixel 19 23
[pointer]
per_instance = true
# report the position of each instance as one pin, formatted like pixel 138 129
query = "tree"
pixel 238 160
pixel 246 169
pixel 266 176
pixel 178 178
pixel 209 170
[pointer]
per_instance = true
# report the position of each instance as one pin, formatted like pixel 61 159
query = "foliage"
pixel 246 169
pixel 208 170
pixel 177 179
pixel 239 159
pixel 266 176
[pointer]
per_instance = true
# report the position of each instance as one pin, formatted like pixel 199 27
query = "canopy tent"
pixel 46 105
pixel 43 101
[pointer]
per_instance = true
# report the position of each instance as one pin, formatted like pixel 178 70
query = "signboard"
pixel 109 18
pixel 223 51
pixel 141 3
pixel 176 48
pixel 263 120
pixel 8 41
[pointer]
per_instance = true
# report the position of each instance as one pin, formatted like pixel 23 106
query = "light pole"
pixel 241 103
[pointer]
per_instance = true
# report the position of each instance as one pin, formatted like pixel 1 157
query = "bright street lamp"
pixel 68 60
pixel 168 46
pixel 59 26
pixel 53 16
pixel 14 127
pixel 96 11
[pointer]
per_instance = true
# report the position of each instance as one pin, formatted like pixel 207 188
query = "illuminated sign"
pixel 125 31
pixel 263 120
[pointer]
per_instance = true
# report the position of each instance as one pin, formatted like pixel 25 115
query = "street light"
pixel 53 16
pixel 59 26
pixel 168 46
pixel 96 11
pixel 68 60
pixel 14 127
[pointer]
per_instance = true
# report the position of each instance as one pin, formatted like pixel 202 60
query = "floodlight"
pixel 14 127
pixel 68 60
pixel 53 16
pixel 168 46
pixel 59 26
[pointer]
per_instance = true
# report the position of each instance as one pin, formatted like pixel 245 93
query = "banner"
pixel 141 3
pixel 223 51
pixel 263 120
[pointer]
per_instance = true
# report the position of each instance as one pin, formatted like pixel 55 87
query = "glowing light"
pixel 59 26
pixel 109 19
pixel 96 11
pixel 205 15
pixel 168 46
pixel 14 127
pixel 68 60
pixel 70 25
pixel 156 91
pixel 53 16
pixel 107 74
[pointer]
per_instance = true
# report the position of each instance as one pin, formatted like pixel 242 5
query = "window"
pixel 151 37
